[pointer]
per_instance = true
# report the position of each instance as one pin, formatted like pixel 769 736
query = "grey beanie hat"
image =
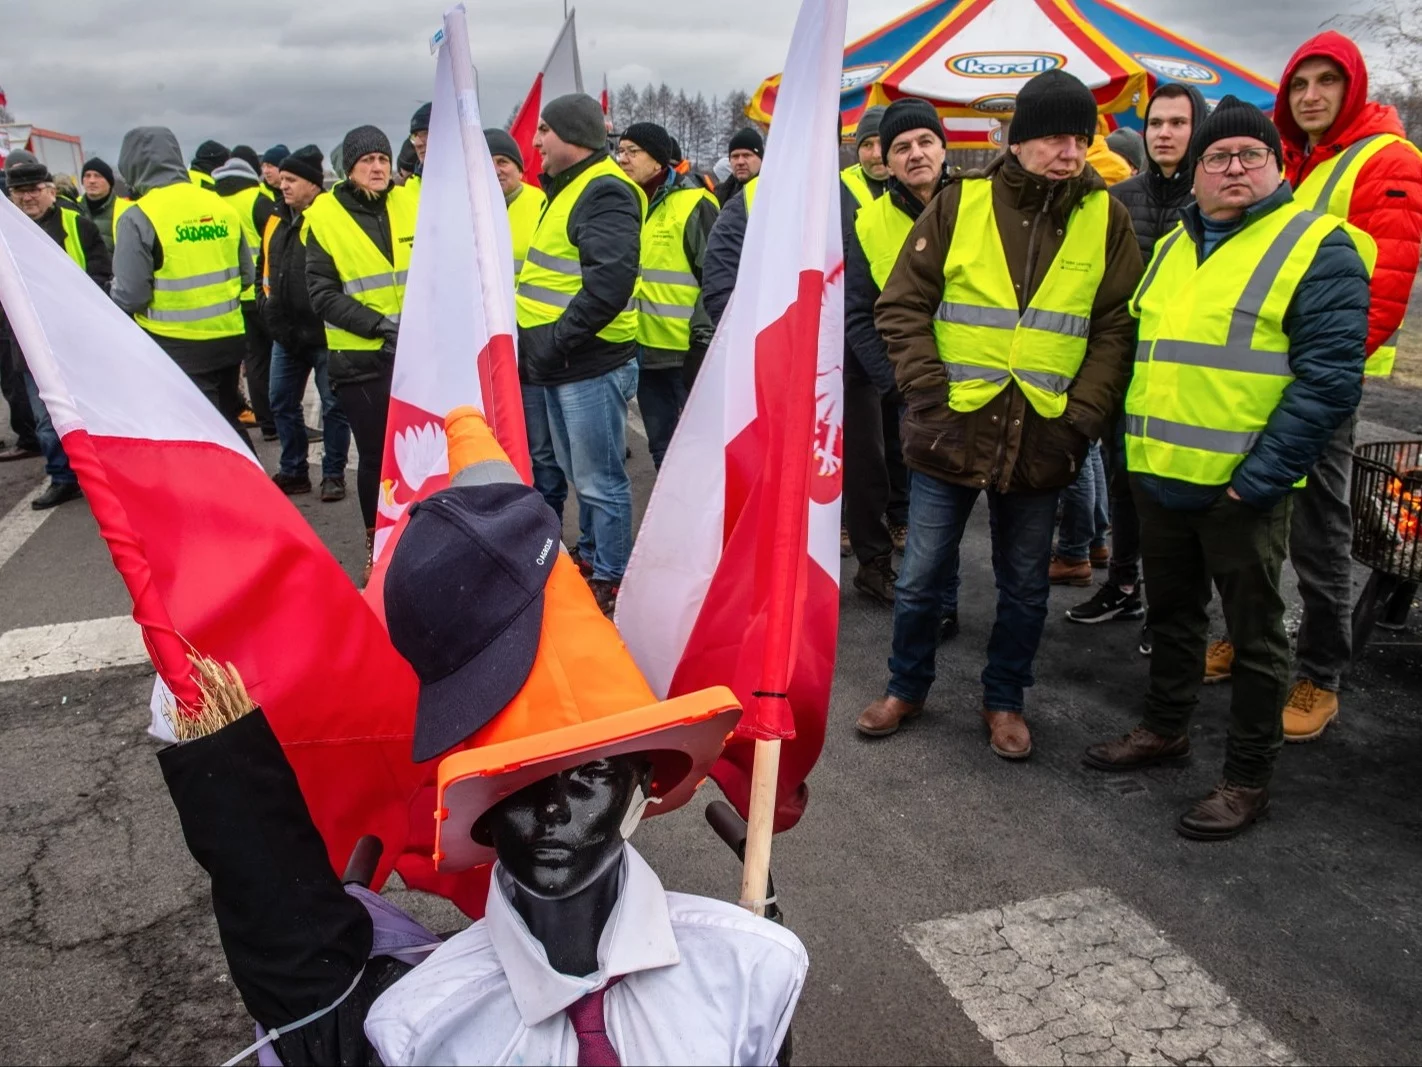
pixel 502 144
pixel 362 141
pixel 577 119
pixel 1127 144
pixel 868 125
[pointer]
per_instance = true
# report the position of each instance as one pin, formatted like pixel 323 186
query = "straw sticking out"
pixel 223 701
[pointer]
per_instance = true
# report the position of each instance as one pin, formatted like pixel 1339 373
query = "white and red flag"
pixel 562 73
pixel 457 326
pixel 734 577
pixel 216 559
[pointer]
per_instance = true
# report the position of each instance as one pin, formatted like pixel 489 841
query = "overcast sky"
pixel 263 71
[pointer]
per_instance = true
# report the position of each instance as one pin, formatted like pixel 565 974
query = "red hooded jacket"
pixel 1387 200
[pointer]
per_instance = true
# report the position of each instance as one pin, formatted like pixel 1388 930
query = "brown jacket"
pixel 1005 444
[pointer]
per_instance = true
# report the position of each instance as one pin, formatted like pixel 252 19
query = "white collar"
pixel 638 937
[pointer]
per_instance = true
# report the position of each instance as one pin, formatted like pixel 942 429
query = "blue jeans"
pixel 286 387
pixel 588 420
pixel 56 463
pixel 1086 512
pixel 1022 525
pixel 661 394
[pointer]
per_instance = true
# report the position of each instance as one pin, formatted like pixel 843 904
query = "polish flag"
pixel 734 577
pixel 456 344
pixel 562 73
pixel 216 559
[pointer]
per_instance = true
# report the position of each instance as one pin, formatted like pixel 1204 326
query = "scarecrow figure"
pixel 552 748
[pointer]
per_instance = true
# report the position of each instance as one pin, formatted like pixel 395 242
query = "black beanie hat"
pixel 362 141
pixel 910 113
pixel 274 155
pixel 306 162
pixel 577 119
pixel 748 139
pixel 408 160
pixel 1233 117
pixel 1053 103
pixel 99 167
pixel 652 139
pixel 502 144
pixel 248 154
pixel 210 155
pixel 868 127
pixel 420 120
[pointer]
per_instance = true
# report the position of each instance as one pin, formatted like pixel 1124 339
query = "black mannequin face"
pixel 559 835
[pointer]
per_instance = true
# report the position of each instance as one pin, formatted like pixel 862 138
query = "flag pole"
pixel 755 875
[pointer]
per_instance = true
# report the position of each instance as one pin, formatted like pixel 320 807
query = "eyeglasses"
pixel 28 190
pixel 1249 159
pixel 629 152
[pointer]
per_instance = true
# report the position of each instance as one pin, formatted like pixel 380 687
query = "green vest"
pixel 666 286
pixel 882 228
pixel 197 291
pixel 1329 189
pixel 1212 362
pixel 982 338
pixel 524 213
pixel 242 200
pixel 552 273
pixel 367 277
pixel 69 218
pixel 858 184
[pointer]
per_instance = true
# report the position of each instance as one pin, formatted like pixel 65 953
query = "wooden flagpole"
pixel 755 875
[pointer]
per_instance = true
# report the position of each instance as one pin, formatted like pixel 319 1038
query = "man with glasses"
pixel 1253 325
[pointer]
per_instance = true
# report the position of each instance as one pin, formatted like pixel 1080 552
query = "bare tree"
pixel 1395 26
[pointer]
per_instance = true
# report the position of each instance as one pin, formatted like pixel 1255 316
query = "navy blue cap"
pixel 464 603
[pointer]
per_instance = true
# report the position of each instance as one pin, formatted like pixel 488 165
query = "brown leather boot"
pixel 1010 737
pixel 884 716
pixel 1227 812
pixel 1139 748
pixel 1069 571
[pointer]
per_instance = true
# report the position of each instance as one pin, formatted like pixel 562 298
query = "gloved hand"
pixel 389 332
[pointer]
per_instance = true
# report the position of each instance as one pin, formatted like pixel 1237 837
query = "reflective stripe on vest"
pixel 1213 359
pixel 524 212
pixel 197 290
pixel 1329 188
pixel 858 185
pixel 69 218
pixel 983 340
pixel 367 277
pixel 666 287
pixel 552 273
pixel 882 228
pixel 242 200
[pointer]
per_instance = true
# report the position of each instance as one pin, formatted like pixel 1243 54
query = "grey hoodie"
pixel 149 159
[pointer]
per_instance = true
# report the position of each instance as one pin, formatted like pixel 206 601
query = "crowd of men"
pixel 1159 379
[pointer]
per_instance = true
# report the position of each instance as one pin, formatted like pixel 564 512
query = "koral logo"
pixel 1004 64
pixel 1180 70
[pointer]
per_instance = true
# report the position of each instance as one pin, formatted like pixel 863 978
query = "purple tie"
pixel 594 1048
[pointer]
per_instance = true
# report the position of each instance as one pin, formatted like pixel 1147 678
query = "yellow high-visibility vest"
pixel 121 204
pixel 552 273
pixel 242 200
pixel 197 291
pixel 983 339
pixel 366 275
pixel 882 228
pixel 1329 189
pixel 524 212
pixel 1213 359
pixel 205 181
pixel 749 191
pixel 666 287
pixel 858 183
pixel 69 218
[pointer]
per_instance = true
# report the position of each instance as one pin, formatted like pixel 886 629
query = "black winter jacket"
pixel 330 302
pixel 606 227
pixel 287 312
pixel 98 264
pixel 1155 201
pixel 723 256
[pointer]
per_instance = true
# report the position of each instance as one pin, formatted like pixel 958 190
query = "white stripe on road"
pixel 1082 978
pixel 20 523
pixel 66 647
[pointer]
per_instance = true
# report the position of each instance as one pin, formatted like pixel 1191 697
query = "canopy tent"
pixel 970 57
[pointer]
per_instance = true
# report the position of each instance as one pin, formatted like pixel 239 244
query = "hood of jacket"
pixel 1358 118
pixel 150 159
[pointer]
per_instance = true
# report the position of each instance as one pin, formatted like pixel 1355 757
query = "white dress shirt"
pixel 703 982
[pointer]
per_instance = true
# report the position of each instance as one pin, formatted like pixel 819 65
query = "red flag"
pixel 525 125
pixel 734 577
pixel 606 100
pixel 216 559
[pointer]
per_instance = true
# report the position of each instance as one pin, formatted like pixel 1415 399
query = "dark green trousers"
pixel 1239 550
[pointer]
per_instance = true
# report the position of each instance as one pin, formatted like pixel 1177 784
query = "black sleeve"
pixel 97 260
pixel 328 296
pixel 723 257
pixel 606 226
pixel 262 209
pixel 861 336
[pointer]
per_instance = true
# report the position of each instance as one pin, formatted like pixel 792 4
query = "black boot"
pixel 57 493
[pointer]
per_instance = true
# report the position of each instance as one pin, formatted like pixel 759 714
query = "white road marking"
pixel 66 647
pixel 1082 978
pixel 20 523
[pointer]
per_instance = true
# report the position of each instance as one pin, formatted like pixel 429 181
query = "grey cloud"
pixel 264 71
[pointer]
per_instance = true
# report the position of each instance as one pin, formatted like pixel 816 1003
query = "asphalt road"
pixel 934 885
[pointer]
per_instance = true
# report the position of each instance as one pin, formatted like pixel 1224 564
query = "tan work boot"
pixel 1009 736
pixel 1219 662
pixel 1069 571
pixel 884 716
pixel 1309 709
